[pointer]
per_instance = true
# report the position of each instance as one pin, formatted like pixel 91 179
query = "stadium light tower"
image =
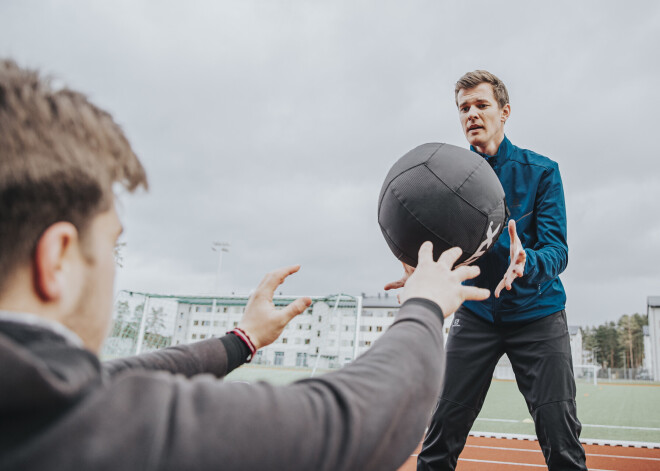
pixel 219 247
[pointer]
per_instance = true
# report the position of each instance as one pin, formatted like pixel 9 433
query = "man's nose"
pixel 472 113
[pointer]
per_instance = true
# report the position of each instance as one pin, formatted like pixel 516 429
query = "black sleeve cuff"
pixel 237 351
pixel 429 304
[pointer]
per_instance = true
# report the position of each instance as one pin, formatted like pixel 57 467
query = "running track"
pixel 500 454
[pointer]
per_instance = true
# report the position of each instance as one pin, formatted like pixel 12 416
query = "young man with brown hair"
pixel 61 409
pixel 525 318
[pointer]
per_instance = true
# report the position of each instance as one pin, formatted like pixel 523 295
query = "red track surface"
pixel 513 455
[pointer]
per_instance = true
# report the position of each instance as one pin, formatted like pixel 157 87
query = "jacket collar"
pixel 502 151
pixel 24 321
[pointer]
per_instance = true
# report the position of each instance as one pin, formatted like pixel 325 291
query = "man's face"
pixel 482 118
pixel 94 306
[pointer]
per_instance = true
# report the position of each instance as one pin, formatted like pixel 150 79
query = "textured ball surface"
pixel 445 194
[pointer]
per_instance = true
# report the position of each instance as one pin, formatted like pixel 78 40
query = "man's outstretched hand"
pixel 407 271
pixel 439 283
pixel 518 258
pixel 262 321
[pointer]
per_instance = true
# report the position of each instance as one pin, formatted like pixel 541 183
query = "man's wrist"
pixel 245 338
pixel 435 307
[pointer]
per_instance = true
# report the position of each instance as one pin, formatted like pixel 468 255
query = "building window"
pixel 180 328
pixel 368 343
pixel 203 336
pixel 195 322
pixel 320 318
pixel 197 309
pixel 318 333
pixel 206 323
pixel 194 336
pixel 181 315
pixel 235 324
pixel 216 323
pixel 284 340
pixel 345 328
pixel 301 359
pixel 306 341
pixel 390 313
pixel 224 309
pixel 367 313
pixel 379 328
pixel 279 358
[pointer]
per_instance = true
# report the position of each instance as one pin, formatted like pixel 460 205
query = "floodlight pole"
pixel 219 247
pixel 358 315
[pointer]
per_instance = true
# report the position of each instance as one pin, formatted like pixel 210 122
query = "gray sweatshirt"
pixel 61 409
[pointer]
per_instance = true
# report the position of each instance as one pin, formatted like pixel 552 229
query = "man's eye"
pixel 482 105
pixel 465 109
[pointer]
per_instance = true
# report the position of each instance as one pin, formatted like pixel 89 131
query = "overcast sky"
pixel 271 125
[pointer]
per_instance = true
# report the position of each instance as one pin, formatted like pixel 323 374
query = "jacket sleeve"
pixel 207 356
pixel 549 256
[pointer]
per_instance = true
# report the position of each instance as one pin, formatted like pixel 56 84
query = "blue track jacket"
pixel 535 197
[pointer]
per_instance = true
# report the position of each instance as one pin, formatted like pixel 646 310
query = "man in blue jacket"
pixel 525 318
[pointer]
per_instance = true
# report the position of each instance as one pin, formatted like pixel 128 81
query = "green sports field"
pixel 627 412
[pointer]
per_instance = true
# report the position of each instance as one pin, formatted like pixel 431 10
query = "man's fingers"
pixel 512 229
pixel 499 289
pixel 449 257
pixel 425 254
pixel 273 279
pixel 472 293
pixel 467 272
pixel 296 307
pixel 395 284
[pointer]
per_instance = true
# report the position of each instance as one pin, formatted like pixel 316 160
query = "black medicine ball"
pixel 445 194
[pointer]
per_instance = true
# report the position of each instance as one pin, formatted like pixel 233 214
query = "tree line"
pixel 617 344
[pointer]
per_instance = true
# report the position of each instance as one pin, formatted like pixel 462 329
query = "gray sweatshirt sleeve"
pixel 368 416
pixel 208 356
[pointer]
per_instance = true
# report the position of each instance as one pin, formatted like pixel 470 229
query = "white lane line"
pixel 539 451
pixel 520 464
pixel 652 429
pixel 625 427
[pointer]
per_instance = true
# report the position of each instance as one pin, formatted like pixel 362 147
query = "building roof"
pixel 381 301
pixel 654 301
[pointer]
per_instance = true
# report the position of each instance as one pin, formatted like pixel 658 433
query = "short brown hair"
pixel 60 155
pixel 472 79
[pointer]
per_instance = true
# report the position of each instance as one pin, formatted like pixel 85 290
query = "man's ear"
pixel 506 112
pixel 56 250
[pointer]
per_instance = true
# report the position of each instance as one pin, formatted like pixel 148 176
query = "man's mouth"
pixel 474 126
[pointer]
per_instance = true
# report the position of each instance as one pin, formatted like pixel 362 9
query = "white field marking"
pixel 648 429
pixel 539 451
pixel 500 420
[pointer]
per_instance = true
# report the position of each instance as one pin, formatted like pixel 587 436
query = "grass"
pixel 618 405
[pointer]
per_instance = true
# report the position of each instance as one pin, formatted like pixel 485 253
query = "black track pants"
pixel 540 353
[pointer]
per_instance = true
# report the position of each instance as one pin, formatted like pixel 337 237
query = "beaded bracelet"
pixel 241 334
